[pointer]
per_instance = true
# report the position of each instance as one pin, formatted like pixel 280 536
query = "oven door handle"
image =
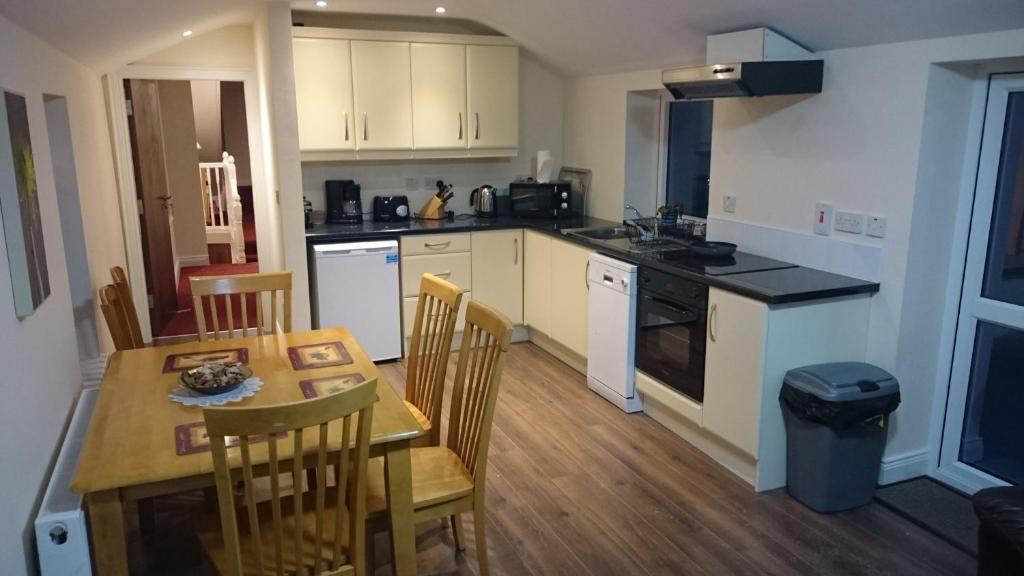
pixel 689 316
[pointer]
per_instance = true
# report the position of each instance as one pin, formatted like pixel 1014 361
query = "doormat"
pixel 937 508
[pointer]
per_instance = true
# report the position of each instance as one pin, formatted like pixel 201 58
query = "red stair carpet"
pixel 184 321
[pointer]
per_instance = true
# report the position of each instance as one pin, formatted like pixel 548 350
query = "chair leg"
pixel 481 540
pixel 458 532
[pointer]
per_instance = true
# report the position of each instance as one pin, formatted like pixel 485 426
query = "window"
pixel 688 162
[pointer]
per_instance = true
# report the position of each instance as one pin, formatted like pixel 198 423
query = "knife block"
pixel 432 210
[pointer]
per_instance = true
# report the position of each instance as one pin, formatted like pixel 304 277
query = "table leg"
pixel 398 475
pixel 106 521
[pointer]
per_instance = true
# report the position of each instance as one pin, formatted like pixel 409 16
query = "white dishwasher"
pixel 611 325
pixel 357 288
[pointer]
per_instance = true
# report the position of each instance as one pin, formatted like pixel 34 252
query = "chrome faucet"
pixel 635 211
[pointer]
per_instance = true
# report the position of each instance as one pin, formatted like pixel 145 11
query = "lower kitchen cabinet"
pixel 730 411
pixel 498 271
pixel 537 281
pixel 409 314
pixel 569 293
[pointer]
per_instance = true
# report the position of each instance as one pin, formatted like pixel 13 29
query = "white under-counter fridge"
pixel 357 287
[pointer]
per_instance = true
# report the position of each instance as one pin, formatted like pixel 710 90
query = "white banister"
pixel 223 206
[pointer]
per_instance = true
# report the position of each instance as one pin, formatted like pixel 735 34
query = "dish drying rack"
pixel 653 231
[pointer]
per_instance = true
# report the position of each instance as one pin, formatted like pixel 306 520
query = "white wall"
pixel 860 145
pixel 206 108
pixel 227 47
pixel 39 354
pixel 541 104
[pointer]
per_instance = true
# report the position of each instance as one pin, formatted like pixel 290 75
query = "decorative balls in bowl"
pixel 215 378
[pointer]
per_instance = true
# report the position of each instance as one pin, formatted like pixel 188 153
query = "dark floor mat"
pixel 939 509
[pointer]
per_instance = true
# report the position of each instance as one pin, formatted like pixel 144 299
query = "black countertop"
pixel 783 286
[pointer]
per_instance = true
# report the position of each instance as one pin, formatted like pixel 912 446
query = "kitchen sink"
pixel 612 233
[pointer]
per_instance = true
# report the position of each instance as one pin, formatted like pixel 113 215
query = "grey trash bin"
pixel 836 419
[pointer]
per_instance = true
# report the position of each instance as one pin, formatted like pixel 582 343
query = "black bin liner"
pixel 837 415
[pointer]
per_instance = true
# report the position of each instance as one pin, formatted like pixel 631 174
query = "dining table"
pixel 133 448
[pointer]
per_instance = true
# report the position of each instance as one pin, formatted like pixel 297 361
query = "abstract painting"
pixel 19 207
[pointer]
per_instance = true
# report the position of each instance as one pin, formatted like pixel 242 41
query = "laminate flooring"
pixel 577 487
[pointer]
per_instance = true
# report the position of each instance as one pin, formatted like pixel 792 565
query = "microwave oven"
pixel 546 200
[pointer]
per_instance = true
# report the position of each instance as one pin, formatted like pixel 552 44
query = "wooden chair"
pixel 235 289
pixel 114 311
pixel 427 363
pixel 326 526
pixel 124 291
pixel 449 480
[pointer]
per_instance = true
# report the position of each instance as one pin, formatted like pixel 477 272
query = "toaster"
pixel 390 208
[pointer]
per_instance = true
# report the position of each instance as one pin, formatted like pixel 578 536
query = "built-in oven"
pixel 671 327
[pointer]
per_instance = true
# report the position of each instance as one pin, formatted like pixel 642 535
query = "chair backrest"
pixel 485 341
pixel 427 363
pixel 335 447
pixel 124 291
pixel 236 294
pixel 115 315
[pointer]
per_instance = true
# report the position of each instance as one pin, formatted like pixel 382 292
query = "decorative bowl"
pixel 215 378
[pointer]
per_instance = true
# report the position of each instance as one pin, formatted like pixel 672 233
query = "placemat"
pixel 181 362
pixel 191 438
pixel 317 387
pixel 319 355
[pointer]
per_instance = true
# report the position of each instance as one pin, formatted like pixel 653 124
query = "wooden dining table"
pixel 131 452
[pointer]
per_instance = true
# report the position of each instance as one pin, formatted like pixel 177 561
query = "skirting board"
pixel 903 467
pixel 838 253
pixel 568 357
pixel 195 260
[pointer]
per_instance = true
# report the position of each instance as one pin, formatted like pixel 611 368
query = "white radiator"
pixel 62 538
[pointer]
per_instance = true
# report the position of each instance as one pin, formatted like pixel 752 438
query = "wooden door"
pixel 323 94
pixel 155 202
pixel 498 271
pixel 569 295
pixel 734 368
pixel 438 96
pixel 493 81
pixel 383 95
pixel 537 282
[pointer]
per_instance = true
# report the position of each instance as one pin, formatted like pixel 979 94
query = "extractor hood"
pixel 758 62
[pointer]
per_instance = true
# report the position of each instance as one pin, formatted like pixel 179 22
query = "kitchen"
pixel 654 323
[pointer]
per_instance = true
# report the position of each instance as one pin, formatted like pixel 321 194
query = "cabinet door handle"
pixel 460 125
pixel 445 274
pixel 586 276
pixel 433 245
pixel 346 125
pixel 515 259
pixel 477 116
pixel 712 323
pixel 364 126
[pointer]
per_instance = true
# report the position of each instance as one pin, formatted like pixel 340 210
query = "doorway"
pixel 193 183
pixel 981 439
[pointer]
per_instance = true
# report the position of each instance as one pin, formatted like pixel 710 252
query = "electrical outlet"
pixel 877 226
pixel 430 183
pixel 411 185
pixel 729 204
pixel 852 222
pixel 823 218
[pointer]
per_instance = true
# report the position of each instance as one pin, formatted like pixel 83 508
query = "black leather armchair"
pixel 1001 533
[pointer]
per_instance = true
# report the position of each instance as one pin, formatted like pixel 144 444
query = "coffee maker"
pixel 344 205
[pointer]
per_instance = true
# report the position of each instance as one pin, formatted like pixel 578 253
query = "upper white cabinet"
pixel 438 95
pixel 493 80
pixel 323 78
pixel 383 95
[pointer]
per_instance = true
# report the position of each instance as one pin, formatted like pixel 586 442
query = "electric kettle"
pixel 484 200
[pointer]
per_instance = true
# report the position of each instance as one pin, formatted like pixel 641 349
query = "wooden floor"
pixel 576 486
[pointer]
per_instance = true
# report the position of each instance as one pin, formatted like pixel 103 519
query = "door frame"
pixel 958 475
pixel 125 169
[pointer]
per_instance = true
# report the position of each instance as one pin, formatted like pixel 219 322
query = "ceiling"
pixel 577 37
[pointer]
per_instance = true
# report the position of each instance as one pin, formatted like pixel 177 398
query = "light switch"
pixel 729 204
pixel 823 218
pixel 877 226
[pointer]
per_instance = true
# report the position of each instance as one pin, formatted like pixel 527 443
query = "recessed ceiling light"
pixel 186 33
pixel 321 3
pixel 440 10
